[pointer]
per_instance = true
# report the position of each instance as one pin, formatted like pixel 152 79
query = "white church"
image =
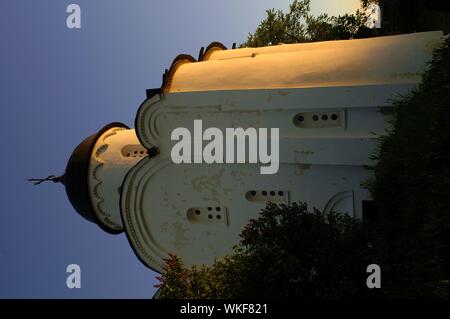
pixel 329 100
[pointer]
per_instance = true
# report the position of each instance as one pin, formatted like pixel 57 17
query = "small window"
pixel 134 151
pixel 322 119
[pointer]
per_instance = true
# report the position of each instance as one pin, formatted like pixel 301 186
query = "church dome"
pixel 75 176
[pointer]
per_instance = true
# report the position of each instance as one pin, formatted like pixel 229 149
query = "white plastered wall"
pixel 116 151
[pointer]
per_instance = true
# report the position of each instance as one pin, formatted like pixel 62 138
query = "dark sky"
pixel 59 86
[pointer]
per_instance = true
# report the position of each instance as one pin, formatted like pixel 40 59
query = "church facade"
pixel 329 100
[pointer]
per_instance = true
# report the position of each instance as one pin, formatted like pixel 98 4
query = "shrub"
pixel 288 252
pixel 412 189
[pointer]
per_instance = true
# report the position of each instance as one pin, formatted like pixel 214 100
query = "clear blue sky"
pixel 60 85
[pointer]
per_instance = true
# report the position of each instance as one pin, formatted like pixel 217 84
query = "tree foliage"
pixel 288 252
pixel 412 188
pixel 299 25
pixel 406 16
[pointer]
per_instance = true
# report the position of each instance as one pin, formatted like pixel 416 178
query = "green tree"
pixel 406 16
pixel 299 25
pixel 288 252
pixel 412 189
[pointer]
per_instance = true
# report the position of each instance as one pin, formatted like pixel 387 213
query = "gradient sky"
pixel 334 7
pixel 59 86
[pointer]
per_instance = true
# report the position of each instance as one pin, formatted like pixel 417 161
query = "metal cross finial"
pixel 53 178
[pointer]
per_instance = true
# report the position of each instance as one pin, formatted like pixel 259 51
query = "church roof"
pixel 371 61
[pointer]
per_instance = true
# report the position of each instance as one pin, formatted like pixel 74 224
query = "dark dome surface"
pixel 75 176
